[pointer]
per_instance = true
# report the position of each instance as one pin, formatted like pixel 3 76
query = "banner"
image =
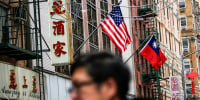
pixel 60 33
pixel 175 88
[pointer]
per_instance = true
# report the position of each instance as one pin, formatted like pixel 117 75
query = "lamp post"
pixel 183 71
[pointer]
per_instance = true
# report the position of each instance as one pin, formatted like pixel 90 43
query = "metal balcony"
pixel 146 12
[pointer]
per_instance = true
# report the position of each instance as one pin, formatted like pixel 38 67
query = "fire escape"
pixel 18 39
pixel 152 77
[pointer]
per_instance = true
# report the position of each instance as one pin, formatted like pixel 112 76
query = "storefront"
pixel 19 83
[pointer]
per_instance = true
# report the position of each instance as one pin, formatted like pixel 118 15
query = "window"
pixel 189 90
pixel 136 33
pixel 144 30
pixel 104 12
pixel 167 13
pixel 77 29
pixel 140 25
pixel 186 64
pixel 181 4
pixel 3 29
pixel 92 25
pixel 185 44
pixel 183 23
pixel 117 52
pixel 194 26
pixel 114 2
pixel 138 64
pixel 147 67
pixel 148 93
pixel 145 92
pixel 134 2
pixel 104 8
pixel 166 38
pixel 140 91
pixel 142 63
pixel 159 31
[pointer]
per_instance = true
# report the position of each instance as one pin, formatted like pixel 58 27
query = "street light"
pixel 183 68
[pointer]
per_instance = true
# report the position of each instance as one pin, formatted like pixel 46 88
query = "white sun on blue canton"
pixel 155 44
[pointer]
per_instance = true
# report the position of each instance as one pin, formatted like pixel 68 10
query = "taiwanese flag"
pixel 152 53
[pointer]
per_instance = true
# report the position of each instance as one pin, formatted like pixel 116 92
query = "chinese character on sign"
pixel 57 7
pixel 12 80
pixel 58 48
pixel 58 28
pixel 25 85
pixel 34 85
pixel 174 84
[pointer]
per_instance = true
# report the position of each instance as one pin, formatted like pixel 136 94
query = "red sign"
pixel 174 87
pixel 34 85
pixel 60 33
pixel 174 84
pixel 12 80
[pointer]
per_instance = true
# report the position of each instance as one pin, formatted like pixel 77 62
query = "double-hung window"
pixel 2 22
pixel 186 64
pixel 185 43
pixel 181 4
pixel 183 22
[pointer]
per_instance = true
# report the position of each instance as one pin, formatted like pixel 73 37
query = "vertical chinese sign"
pixel 175 88
pixel 60 33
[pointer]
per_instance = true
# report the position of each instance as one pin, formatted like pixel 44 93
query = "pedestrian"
pixel 100 76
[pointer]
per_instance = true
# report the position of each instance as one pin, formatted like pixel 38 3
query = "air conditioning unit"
pixel 183 28
pixel 181 4
pixel 185 50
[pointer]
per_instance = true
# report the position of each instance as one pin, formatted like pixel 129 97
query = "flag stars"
pixel 116 15
pixel 155 44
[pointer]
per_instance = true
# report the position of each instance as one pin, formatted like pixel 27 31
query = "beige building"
pixel 169 35
pixel 189 29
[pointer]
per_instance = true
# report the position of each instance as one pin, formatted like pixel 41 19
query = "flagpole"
pixel 138 48
pixel 85 41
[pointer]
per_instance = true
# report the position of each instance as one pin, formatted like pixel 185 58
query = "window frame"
pixel 183 27
pixel 184 64
pixel 179 4
pixel 188 49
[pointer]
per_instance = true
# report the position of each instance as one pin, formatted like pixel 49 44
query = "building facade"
pixel 87 22
pixel 189 31
pixel 159 18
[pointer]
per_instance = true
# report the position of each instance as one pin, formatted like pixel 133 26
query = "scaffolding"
pixel 18 39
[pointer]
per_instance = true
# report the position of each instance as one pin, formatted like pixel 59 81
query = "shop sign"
pixel 174 87
pixel 60 33
pixel 18 83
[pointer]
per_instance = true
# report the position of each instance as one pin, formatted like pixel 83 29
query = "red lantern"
pixel 192 75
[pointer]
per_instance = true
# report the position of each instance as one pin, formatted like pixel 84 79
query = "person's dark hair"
pixel 102 66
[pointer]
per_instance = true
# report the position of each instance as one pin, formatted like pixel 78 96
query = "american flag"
pixel 115 27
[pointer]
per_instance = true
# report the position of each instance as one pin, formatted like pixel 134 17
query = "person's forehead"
pixel 80 74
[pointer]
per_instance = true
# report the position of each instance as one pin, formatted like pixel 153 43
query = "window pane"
pixel 92 25
pixel 183 21
pixel 185 43
pixel 2 21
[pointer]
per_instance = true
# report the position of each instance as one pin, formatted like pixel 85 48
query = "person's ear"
pixel 110 88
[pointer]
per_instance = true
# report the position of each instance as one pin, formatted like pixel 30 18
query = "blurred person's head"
pixel 100 76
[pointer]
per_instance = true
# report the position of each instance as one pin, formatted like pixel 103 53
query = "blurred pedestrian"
pixel 100 76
